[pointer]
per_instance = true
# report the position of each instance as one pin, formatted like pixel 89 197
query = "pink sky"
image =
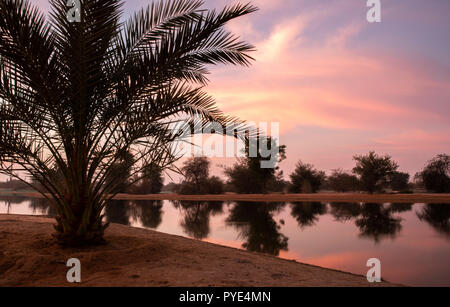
pixel 339 85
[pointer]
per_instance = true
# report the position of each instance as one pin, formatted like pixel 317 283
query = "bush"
pixel 436 174
pixel 306 179
pixel 374 171
pixel 341 181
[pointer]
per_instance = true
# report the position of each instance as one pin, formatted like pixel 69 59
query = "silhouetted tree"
pixel 80 94
pixel 152 183
pixel 14 185
pixel 374 171
pixel 436 174
pixel 215 185
pixel 399 181
pixel 306 179
pixel 341 181
pixel 248 177
pixel 120 173
pixel 196 178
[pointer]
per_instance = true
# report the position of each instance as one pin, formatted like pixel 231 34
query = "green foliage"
pixel 436 174
pixel 306 179
pixel 374 171
pixel 79 95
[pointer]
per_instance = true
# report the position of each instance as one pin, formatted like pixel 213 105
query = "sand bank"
pixel 137 257
pixel 320 197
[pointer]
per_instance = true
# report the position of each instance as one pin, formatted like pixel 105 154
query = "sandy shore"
pixel 138 257
pixel 320 197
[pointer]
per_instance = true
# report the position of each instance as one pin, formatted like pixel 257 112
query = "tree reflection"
pixel 307 213
pixel 13 199
pixel 438 216
pixel 343 212
pixel 42 205
pixel 117 211
pixel 256 225
pixel 400 208
pixel 196 216
pixel 148 212
pixel 376 222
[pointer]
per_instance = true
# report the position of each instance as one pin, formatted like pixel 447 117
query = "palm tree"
pixel 77 96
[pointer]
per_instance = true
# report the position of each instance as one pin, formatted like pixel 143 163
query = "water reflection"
pixel 438 217
pixel 118 211
pixel 307 213
pixel 255 223
pixel 377 222
pixel 337 235
pixel 196 216
pixel 343 212
pixel 148 212
pixel 42 206
pixel 12 200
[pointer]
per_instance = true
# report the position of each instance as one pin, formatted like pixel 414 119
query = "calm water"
pixel 411 240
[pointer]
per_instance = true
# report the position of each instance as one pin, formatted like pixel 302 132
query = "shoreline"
pixel 141 257
pixel 319 197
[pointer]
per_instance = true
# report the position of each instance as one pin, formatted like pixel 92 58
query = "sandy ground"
pixel 320 197
pixel 138 257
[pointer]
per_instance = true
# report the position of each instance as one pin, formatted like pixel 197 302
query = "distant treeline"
pixel 372 173
pixel 14 184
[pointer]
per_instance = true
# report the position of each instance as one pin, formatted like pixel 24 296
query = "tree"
pixel 248 177
pixel 341 181
pixel 374 171
pixel 80 94
pixel 152 183
pixel 197 180
pixel 306 179
pixel 215 185
pixel 119 174
pixel 399 181
pixel 196 174
pixel 436 174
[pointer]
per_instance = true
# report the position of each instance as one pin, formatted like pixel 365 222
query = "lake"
pixel 412 241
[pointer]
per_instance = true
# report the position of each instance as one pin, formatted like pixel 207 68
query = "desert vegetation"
pixel 94 99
